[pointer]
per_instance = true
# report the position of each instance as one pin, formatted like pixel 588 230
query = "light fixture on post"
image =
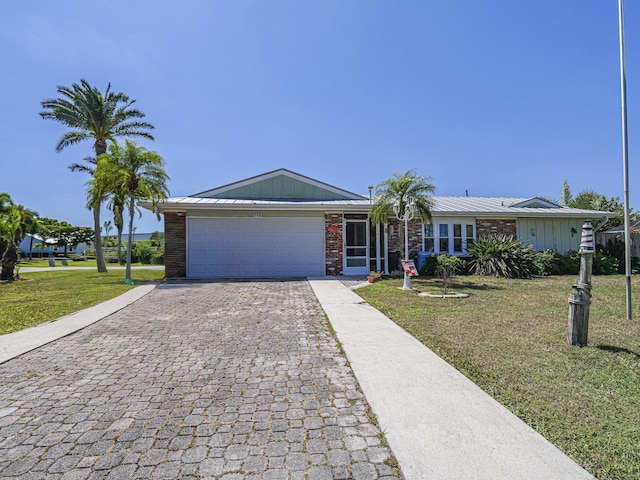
pixel 410 210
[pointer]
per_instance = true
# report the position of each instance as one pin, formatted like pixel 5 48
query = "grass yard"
pixel 70 263
pixel 509 337
pixel 43 296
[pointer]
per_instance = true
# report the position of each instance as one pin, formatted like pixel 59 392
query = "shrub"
pixel 448 266
pixel 548 263
pixel 429 267
pixel 604 264
pixel 142 250
pixel 158 256
pixel 569 263
pixel 502 256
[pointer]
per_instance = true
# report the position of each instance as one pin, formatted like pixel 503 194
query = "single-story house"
pixel 282 223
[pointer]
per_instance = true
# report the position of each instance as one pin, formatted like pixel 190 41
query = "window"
pixel 470 237
pixel 457 238
pixel 428 238
pixel 449 236
pixel 444 237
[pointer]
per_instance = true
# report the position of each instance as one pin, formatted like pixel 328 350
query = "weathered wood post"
pixel 580 298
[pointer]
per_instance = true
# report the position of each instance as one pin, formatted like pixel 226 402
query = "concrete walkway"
pixel 438 423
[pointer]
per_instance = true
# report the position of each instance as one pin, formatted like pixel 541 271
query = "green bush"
pixel 569 263
pixel 142 250
pixel 553 263
pixel 548 263
pixel 158 256
pixel 429 267
pixel 502 256
pixel 604 264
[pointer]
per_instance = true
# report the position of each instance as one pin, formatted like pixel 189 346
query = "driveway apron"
pixel 233 380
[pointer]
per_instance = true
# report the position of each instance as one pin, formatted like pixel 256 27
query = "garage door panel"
pixel 219 247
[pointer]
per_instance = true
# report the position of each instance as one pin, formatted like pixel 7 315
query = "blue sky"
pixel 497 97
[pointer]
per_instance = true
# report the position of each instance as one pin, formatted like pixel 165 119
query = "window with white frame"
pixel 452 236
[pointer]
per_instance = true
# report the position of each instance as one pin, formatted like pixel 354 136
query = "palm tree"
pixel 93 115
pixel 401 190
pixel 135 173
pixel 115 201
pixel 15 220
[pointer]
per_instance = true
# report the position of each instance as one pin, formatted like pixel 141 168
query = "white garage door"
pixel 247 247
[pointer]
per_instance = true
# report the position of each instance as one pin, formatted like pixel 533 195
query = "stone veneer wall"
pixel 415 237
pixel 333 244
pixel 495 227
pixel 175 236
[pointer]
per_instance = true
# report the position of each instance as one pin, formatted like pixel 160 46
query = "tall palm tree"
pixel 137 174
pixel 115 200
pixel 402 189
pixel 91 114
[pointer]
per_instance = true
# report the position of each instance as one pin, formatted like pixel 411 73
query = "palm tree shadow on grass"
pixel 614 349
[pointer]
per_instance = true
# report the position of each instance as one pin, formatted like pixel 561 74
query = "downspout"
pixel 606 219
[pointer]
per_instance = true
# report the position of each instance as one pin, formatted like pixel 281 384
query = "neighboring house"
pixel 285 224
pixel 38 246
pixel 616 235
pixel 51 248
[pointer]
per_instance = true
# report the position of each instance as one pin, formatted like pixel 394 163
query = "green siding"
pixel 550 233
pixel 283 188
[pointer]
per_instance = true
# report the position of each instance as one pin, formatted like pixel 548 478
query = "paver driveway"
pixel 196 380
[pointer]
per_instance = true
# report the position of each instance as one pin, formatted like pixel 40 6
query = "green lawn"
pixel 509 337
pixel 43 296
pixel 70 263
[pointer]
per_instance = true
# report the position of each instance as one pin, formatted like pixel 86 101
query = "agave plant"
pixel 502 256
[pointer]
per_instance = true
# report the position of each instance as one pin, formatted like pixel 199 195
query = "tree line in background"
pixel 16 222
pixel 592 200
pixel 121 175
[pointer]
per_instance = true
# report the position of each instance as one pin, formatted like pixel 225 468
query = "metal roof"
pixel 497 207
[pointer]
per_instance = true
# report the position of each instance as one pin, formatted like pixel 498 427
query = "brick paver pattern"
pixel 225 380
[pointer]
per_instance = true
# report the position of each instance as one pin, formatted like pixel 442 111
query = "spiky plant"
pixel 502 256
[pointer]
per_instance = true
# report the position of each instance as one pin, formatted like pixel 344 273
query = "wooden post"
pixel 580 298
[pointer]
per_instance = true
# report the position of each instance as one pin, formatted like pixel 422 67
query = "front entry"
pixel 356 245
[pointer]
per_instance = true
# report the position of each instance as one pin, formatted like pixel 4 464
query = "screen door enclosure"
pixel 356 261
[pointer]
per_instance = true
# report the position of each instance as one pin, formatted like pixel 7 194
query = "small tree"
pixel 15 220
pixel 448 266
pixel 9 228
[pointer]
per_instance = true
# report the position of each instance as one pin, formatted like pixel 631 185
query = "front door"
pixel 356 245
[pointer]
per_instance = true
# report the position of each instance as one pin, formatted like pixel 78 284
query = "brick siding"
pixel 415 237
pixel 175 255
pixel 333 244
pixel 486 227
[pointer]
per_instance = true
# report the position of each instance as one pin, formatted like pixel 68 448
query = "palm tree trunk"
pixel 9 260
pixel 120 262
pixel 132 212
pixel 119 222
pixel 102 268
